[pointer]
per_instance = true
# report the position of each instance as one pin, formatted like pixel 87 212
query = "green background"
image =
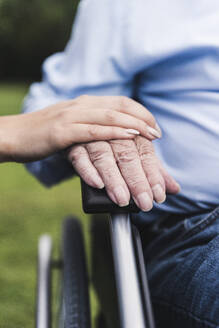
pixel 31 30
pixel 27 210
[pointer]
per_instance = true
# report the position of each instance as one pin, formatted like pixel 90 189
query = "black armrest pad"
pixel 97 201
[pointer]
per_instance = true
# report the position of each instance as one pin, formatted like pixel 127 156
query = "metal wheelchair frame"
pixel 131 279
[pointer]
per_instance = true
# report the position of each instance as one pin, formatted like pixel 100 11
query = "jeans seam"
pixel 202 225
pixel 186 313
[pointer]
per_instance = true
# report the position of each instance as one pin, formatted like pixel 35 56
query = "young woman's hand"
pixel 33 136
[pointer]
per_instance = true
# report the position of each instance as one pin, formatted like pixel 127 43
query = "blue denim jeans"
pixel 182 259
pixel 182 262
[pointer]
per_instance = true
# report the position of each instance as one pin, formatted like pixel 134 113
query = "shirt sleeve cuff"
pixel 51 170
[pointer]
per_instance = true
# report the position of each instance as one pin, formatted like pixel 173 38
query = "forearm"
pixel 7 144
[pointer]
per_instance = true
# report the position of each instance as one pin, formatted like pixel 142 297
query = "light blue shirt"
pixel 166 54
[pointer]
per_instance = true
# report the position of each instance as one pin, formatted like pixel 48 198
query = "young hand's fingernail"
pixel 159 194
pixel 144 202
pixel 121 196
pixel 158 129
pixel 154 133
pixel 132 131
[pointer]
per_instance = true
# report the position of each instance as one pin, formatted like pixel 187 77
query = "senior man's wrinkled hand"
pixel 124 167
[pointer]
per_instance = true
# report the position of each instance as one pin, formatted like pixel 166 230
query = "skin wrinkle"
pixel 131 164
pixel 99 153
pixel 80 160
pixel 150 162
pixel 77 153
pixel 124 152
pixel 102 158
pixel 119 162
pixel 126 156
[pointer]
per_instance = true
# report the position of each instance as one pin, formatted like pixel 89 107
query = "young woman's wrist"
pixel 7 139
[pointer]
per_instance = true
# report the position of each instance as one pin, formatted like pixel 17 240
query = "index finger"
pixel 129 163
pixel 122 104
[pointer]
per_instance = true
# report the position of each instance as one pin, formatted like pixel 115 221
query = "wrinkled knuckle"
pixel 146 150
pixel 125 156
pixel 98 157
pixel 99 151
pixel 150 163
pixel 76 153
pixel 147 157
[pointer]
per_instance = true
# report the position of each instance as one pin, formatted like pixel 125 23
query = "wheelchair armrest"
pixel 97 201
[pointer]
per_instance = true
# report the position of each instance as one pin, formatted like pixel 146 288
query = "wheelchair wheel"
pixel 75 310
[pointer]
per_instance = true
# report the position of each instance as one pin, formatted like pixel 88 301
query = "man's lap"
pixel 182 258
pixel 183 269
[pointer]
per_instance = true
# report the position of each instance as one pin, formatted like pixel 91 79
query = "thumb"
pixel 172 187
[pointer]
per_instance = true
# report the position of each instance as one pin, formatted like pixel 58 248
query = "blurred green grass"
pixel 27 210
